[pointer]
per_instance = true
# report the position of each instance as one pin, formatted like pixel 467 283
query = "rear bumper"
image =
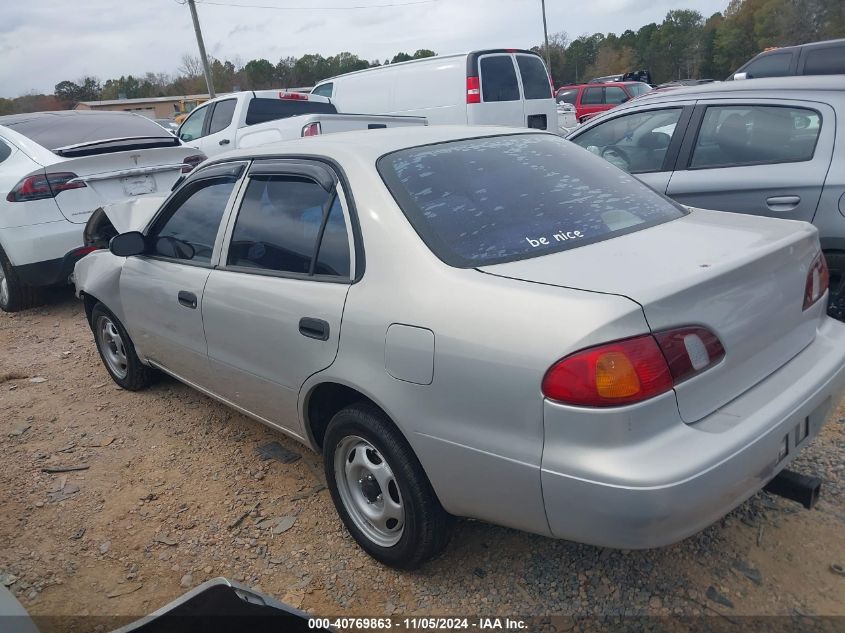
pixel 52 272
pixel 38 250
pixel 676 479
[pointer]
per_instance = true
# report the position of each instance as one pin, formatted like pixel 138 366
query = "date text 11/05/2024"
pixel 421 623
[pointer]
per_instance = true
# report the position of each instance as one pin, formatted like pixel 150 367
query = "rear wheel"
pixel 380 490
pixel 118 352
pixel 836 300
pixel 14 294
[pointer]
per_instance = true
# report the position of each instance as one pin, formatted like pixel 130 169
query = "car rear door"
pixel 221 128
pixel 272 310
pixel 758 156
pixel 644 142
pixel 162 290
pixel 501 100
pixel 592 101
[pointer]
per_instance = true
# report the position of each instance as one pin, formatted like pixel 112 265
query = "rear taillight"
pixel 294 96
pixel 632 370
pixel 473 90
pixel 818 279
pixel 312 129
pixel 41 186
pixel 190 162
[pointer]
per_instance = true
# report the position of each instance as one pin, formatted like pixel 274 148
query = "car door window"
pixel 221 118
pixel 636 142
pixel 535 80
pixel 567 96
pixel 5 151
pixel 498 79
pixel 755 135
pixel 829 60
pixel 592 96
pixel 279 224
pixel 324 90
pixel 192 127
pixel 773 65
pixel 615 95
pixel 187 231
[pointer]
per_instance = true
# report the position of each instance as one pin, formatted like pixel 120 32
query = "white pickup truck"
pixel 258 117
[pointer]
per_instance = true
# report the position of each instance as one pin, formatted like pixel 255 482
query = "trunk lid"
pixel 116 176
pixel 741 276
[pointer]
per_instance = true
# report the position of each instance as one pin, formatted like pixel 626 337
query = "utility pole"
pixel 203 56
pixel 545 35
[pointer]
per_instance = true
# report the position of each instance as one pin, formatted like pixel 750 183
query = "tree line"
pixel 684 45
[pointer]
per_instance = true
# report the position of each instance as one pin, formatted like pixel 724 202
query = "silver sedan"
pixel 486 323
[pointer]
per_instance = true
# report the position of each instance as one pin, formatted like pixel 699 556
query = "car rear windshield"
pixel 490 200
pixel 263 110
pixel 60 130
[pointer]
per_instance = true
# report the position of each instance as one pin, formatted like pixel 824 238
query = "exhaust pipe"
pixel 797 487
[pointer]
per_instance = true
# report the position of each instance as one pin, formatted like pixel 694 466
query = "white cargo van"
pixel 491 87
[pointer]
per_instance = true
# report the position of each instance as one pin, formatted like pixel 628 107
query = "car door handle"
pixel 188 299
pixel 783 203
pixel 225 141
pixel 314 328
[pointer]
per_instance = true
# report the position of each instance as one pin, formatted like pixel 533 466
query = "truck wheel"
pixel 14 294
pixel 118 352
pixel 380 490
pixel 836 298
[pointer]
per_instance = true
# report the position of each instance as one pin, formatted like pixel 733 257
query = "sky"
pixel 43 42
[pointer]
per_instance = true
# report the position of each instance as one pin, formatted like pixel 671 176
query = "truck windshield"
pixel 491 200
pixel 263 110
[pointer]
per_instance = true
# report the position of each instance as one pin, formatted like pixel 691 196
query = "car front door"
pixel 762 157
pixel 194 127
pixel 644 143
pixel 162 289
pixel 273 307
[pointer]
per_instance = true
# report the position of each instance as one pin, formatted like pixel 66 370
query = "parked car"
pixel 633 75
pixel 817 58
pixel 55 169
pixel 764 147
pixel 258 117
pixel 592 99
pixel 490 87
pixel 485 323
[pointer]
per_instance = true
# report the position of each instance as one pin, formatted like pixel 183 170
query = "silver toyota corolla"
pixel 486 323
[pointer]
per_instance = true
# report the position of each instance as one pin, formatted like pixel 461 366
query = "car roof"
pixel 11 119
pixel 798 46
pixel 372 144
pixel 770 84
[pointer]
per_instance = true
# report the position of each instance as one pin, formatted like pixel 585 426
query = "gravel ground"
pixel 174 493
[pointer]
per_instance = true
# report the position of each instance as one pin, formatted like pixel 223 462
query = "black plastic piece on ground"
pixel 276 451
pixel 797 487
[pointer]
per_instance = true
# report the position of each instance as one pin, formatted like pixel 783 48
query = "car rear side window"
pixel 5 151
pixel 261 110
pixel 324 90
pixel 222 115
pixel 188 230
pixel 280 223
pixel 615 95
pixel 592 96
pixel 829 60
pixel 484 201
pixel 638 88
pixel 731 136
pixel 771 65
pixel 498 79
pixel 535 80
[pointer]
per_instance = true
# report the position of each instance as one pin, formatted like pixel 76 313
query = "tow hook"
pixel 797 487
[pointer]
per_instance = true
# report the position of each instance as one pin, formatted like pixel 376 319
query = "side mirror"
pixel 739 76
pixel 128 244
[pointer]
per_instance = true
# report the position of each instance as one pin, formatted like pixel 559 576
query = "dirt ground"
pixel 173 493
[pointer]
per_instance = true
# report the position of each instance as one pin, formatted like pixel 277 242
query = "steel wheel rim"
pixel 112 347
pixel 369 491
pixel 4 288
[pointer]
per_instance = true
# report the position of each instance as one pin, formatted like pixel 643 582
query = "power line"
pixel 314 8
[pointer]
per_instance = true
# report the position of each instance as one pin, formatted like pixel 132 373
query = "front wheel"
pixel 380 490
pixel 118 352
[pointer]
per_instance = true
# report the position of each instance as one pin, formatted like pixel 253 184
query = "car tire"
pixel 836 297
pixel 380 490
pixel 117 351
pixel 14 294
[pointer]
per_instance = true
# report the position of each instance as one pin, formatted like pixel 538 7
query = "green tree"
pixel 400 57
pixel 423 52
pixel 260 74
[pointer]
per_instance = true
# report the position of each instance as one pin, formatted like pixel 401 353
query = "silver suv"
pixel 765 147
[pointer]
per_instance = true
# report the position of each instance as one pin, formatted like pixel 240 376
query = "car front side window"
pixel 637 142
pixel 193 126
pixel 187 231
pixel 290 225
